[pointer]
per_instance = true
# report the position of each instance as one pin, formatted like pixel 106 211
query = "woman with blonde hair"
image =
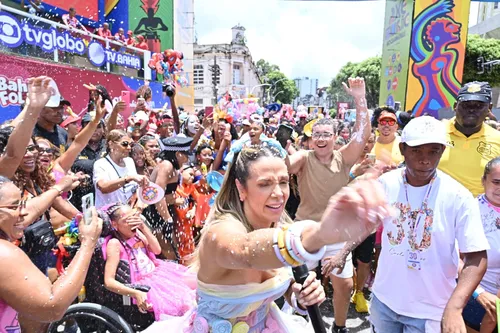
pixel 249 239
pixel 115 176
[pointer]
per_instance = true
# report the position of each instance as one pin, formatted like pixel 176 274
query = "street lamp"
pixel 274 97
pixel 259 85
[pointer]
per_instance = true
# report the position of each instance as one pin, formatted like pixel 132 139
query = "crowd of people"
pixel 71 21
pixel 408 209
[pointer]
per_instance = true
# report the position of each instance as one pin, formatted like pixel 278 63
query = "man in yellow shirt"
pixel 386 147
pixel 474 143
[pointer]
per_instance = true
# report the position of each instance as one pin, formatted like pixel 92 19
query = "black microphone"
pixel 300 274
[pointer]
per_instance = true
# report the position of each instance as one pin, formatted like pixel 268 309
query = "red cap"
pixel 70 120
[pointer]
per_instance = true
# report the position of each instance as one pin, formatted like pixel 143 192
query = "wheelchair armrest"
pixel 139 287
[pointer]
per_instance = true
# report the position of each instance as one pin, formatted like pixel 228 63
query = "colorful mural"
pixel 437 53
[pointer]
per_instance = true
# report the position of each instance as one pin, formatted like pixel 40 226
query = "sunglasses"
pixel 45 150
pixel 32 149
pixel 324 135
pixel 385 122
pixel 20 205
pixel 126 144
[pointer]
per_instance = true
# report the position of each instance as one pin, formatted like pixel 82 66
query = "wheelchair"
pixel 103 310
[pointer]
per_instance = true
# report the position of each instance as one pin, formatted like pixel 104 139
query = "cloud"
pixel 313 39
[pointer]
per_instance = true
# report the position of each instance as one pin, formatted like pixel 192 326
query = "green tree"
pixel 368 69
pixel 481 47
pixel 282 89
pixel 264 68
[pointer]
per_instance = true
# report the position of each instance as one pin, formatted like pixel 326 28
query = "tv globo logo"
pixel 13 33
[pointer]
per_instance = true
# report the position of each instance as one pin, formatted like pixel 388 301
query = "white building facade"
pixel 238 72
pixel 488 20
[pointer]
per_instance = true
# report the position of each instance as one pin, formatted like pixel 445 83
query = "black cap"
pixel 87 118
pixel 177 143
pixel 475 91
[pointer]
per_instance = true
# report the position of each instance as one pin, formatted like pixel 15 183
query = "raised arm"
pixel 39 93
pixel 175 113
pixel 50 301
pixel 66 161
pixel 362 127
pixel 113 118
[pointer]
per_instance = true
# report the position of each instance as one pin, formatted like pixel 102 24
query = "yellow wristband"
pixel 283 250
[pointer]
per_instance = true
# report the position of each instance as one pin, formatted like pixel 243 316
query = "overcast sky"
pixel 313 39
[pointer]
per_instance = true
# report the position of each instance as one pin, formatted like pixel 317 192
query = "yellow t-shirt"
pixel 388 153
pixel 465 162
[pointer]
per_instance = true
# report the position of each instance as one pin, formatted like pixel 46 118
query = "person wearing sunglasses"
pixel 20 278
pixel 115 175
pixel 386 147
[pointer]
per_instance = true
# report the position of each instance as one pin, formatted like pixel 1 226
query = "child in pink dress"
pixel 173 287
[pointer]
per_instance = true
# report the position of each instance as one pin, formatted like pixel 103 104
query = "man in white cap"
pixel 416 290
pixel 51 116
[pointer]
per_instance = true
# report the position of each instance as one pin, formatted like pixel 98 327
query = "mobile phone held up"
pixel 284 134
pixel 209 111
pixel 87 204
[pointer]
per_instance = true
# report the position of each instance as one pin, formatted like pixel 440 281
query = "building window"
pixel 495 5
pixel 198 74
pixel 236 74
pixel 198 101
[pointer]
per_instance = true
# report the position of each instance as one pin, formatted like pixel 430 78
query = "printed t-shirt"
pixel 465 162
pixel 424 290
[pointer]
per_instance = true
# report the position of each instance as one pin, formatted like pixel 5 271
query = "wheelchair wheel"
pixel 90 317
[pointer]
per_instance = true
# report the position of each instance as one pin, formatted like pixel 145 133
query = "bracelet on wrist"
pixel 477 292
pixel 60 192
pixel 296 307
pixel 296 232
pixel 352 176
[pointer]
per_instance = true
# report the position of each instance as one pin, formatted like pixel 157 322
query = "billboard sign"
pixel 395 53
pixel 13 33
pixel 70 80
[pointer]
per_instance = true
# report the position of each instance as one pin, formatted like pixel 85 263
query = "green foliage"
pixel 282 89
pixel 333 113
pixel 487 48
pixel 368 69
pixel 264 68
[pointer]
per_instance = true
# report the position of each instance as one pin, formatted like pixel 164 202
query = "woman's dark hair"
pixel 40 177
pixel 5 133
pixel 112 211
pixel 490 165
pixel 168 155
pixel 378 111
pixel 203 146
pixel 341 128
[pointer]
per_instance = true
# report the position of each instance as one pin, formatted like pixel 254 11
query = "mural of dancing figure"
pixel 435 59
pixel 150 26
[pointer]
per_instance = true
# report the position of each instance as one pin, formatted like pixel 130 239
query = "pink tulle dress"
pixel 173 286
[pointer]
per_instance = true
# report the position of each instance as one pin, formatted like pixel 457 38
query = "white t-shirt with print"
pixel 490 216
pixel 452 216
pixel 106 169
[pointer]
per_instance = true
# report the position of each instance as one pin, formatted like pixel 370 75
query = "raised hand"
pixel 354 212
pixel 39 91
pixel 356 87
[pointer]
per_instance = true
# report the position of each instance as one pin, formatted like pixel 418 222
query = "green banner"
pixel 395 52
pixel 153 19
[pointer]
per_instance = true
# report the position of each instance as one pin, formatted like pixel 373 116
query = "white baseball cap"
pixel 423 130
pixel 55 99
